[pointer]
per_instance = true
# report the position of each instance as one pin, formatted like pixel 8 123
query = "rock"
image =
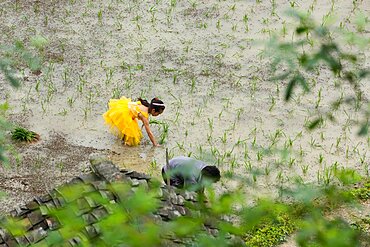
pixel 190 196
pixel 143 184
pixel 35 217
pixel 135 182
pixel 22 241
pixel 52 224
pixel 96 158
pixel 36 235
pixel 89 219
pixel 91 231
pixel 4 235
pixel 180 209
pixel 32 204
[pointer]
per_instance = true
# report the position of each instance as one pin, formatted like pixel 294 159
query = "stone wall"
pixel 39 224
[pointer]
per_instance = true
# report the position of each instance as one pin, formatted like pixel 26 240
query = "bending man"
pixel 190 173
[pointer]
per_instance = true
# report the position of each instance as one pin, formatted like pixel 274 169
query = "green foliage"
pixel 4 126
pixel 13 58
pixel 24 135
pixel 39 42
pixel 348 176
pixel 271 233
pixel 314 49
pixel 362 193
pixel 126 222
pixel 130 221
pixel 318 231
pixel 16 56
pixel 271 223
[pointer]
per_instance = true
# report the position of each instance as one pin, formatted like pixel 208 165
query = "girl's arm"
pixel 147 128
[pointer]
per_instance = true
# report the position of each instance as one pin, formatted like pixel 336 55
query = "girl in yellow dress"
pixel 123 115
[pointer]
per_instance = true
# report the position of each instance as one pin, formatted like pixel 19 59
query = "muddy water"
pixel 203 62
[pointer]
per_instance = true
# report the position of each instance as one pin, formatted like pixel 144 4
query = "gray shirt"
pixel 188 168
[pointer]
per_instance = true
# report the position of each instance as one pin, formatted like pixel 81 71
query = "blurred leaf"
pixel 349 57
pixel 315 123
pixel 364 129
pixel 33 62
pixel 16 227
pixel 39 41
pixel 2 193
pixel 12 79
pixel 303 193
pixel 361 20
pixel 3 108
pixel 186 226
pixel 348 176
pixel 281 76
pixel 289 88
pixel 230 228
pixel 141 202
pixel 363 73
pixel 302 29
pixel 317 231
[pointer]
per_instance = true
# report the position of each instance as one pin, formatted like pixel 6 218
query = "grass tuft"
pixel 24 135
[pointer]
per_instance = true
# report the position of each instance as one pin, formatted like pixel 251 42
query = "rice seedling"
pixel 61 167
pixel 100 17
pixel 267 170
pixel 327 176
pixel 239 112
pixel 164 132
pixel 363 158
pixel 304 168
pixel 192 85
pixel 319 97
pixel 223 138
pixel 321 159
pixel 313 143
pixel 70 101
pixel 210 124
pixel 293 4
pixel 43 106
pixel 291 162
pixel 63 113
pixel 234 163
pixel 280 177
pixel 246 153
pixel 234 27
pixel 288 144
pixel 272 104
pixel 218 25
pixel 312 6
pixel 38 162
pixel 199 111
pixel 108 75
pixel 259 155
pixel 24 135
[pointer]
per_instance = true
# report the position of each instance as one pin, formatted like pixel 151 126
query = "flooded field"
pixel 203 59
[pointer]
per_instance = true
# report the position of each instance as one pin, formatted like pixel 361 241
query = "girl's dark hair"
pixel 155 104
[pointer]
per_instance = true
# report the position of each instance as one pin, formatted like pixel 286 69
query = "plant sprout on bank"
pixel 24 135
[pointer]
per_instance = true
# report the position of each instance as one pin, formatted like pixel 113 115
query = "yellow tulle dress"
pixel 122 120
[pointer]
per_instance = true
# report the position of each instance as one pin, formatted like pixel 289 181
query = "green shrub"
pixel 24 135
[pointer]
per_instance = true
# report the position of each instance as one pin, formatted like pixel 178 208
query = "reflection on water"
pixel 142 158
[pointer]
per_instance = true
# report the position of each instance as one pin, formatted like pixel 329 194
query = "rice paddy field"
pixel 204 59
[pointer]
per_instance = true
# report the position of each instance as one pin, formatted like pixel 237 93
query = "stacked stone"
pixel 38 224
